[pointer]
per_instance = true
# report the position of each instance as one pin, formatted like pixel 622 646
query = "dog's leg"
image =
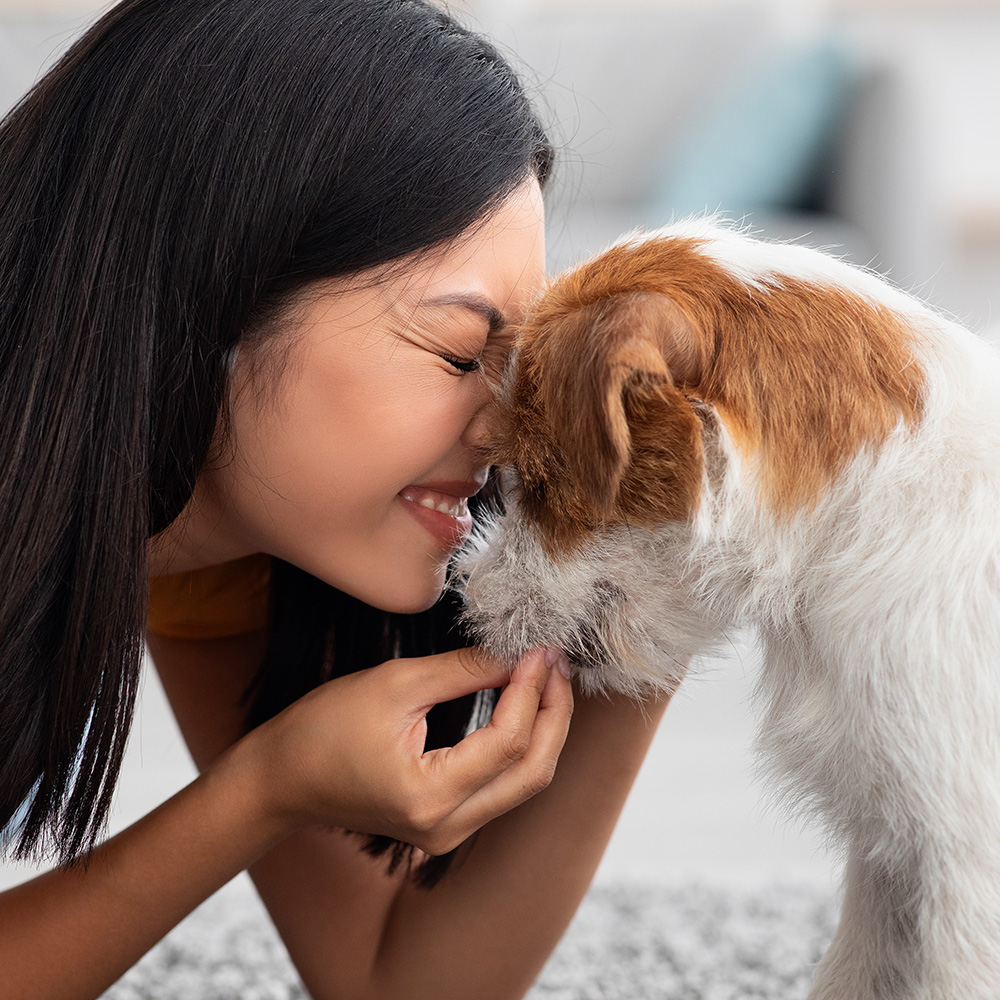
pixel 914 931
pixel 921 913
pixel 874 955
pixel 905 768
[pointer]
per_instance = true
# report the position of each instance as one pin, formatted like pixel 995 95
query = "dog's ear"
pixel 609 370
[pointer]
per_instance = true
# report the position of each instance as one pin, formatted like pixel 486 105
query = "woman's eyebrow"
pixel 478 304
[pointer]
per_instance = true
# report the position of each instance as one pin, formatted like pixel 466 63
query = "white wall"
pixel 28 7
pixel 948 232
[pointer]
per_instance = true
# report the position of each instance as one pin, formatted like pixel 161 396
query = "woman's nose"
pixel 481 430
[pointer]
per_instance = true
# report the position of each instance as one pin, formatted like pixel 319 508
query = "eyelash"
pixel 465 367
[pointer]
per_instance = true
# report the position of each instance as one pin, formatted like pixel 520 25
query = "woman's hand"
pixel 351 753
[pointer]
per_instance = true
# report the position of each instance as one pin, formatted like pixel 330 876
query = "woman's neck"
pixel 200 536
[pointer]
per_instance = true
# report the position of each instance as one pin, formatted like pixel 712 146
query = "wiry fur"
pixel 869 563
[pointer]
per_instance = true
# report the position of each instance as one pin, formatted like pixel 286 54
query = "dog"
pixel 701 431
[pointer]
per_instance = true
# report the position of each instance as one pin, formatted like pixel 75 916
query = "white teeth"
pixel 459 509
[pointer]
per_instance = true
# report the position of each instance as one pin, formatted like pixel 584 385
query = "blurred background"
pixel 866 126
pixel 869 126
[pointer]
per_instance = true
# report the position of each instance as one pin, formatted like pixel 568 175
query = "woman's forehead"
pixel 492 270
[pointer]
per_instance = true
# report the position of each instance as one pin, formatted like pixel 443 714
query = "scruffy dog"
pixel 702 432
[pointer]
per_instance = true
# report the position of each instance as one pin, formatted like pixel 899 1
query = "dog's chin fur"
pixel 859 534
pixel 617 639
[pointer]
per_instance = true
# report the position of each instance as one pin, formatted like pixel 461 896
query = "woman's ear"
pixel 604 372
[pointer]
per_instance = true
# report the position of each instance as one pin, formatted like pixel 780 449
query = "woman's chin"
pixel 404 588
pixel 414 605
pixel 401 600
pixel 415 609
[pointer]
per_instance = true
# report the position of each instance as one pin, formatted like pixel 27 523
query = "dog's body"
pixel 707 432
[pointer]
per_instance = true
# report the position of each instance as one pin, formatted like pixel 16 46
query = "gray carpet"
pixel 628 942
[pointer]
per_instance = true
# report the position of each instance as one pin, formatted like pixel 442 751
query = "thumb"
pixel 446 676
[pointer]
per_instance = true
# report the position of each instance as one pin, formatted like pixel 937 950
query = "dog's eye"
pixel 466 367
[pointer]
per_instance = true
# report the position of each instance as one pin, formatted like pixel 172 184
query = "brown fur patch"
pixel 601 423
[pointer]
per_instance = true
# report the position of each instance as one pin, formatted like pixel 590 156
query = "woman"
pixel 257 257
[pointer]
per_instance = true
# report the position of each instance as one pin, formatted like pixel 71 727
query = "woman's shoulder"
pixel 230 599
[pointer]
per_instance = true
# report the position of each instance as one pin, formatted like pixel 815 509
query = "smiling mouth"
pixel 457 507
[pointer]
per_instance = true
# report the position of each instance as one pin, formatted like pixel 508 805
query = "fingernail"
pixel 557 658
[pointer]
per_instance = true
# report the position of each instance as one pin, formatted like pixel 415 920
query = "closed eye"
pixel 466 367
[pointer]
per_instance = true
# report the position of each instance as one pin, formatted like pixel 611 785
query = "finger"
pixel 486 753
pixel 535 767
pixel 548 736
pixel 522 695
pixel 430 680
pixel 558 691
pixel 531 773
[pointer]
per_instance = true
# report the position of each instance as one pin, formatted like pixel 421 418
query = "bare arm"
pixel 69 934
pixel 510 902
pixel 350 753
pixel 488 928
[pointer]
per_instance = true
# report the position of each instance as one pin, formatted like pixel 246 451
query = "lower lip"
pixel 449 531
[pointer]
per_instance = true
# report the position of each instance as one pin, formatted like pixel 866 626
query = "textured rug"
pixel 628 942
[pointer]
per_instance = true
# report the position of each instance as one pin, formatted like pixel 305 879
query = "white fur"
pixel 879 615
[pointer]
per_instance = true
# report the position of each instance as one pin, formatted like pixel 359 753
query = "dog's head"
pixel 637 373
pixel 600 425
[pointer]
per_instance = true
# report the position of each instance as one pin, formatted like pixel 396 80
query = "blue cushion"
pixel 764 145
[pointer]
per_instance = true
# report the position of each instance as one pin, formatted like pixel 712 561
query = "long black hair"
pixel 183 170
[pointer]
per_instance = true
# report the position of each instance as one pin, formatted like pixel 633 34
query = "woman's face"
pixel 357 463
